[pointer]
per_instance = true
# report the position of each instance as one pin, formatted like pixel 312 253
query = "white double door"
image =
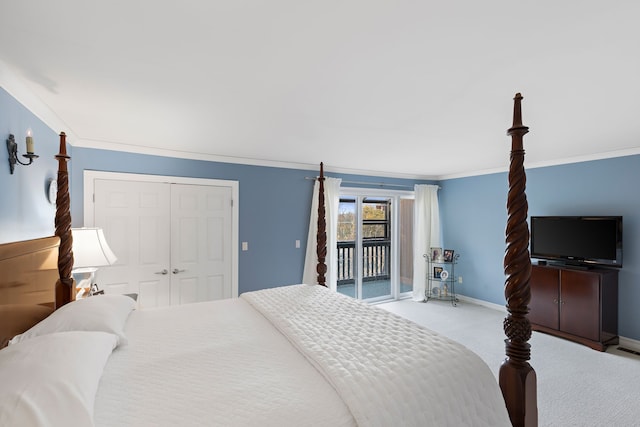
pixel 174 241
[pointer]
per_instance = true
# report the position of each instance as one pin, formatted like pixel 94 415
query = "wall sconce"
pixel 12 148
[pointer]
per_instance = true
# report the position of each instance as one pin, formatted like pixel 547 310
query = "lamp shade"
pixel 90 248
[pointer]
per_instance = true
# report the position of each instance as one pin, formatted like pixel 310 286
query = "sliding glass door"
pixel 375 245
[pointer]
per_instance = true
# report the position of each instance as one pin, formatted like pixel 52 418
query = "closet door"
pixel 135 217
pixel 200 236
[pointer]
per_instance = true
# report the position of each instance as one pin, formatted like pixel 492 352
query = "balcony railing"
pixel 376 261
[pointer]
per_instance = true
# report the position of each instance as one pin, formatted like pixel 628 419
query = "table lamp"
pixel 90 251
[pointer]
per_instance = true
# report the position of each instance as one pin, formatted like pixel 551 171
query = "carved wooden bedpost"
pixel 321 236
pixel 517 377
pixel 65 287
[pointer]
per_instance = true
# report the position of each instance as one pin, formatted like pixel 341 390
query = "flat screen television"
pixel 578 240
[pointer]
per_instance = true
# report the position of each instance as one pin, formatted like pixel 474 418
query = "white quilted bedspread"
pixel 212 364
pixel 388 370
pixel 232 363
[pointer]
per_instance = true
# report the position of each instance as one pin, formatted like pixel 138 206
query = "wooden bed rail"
pixel 517 377
pixel 65 286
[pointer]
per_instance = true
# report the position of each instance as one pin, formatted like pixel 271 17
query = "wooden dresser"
pixel 579 305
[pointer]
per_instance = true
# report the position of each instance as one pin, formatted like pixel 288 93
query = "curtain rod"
pixel 381 184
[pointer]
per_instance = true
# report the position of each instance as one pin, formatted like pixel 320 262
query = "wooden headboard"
pixel 29 269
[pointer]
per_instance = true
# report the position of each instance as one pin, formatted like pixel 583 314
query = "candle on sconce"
pixel 29 142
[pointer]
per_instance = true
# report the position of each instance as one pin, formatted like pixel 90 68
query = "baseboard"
pixel 629 343
pixel 487 304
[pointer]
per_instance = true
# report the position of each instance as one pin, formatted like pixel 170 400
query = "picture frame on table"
pixel 447 255
pixel 437 271
pixel 436 254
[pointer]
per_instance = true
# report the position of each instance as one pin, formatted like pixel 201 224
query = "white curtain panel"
pixel 332 201
pixel 426 229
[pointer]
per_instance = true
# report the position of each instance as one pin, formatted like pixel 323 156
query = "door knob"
pixel 164 271
pixel 176 271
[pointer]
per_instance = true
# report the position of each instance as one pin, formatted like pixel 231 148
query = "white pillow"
pixel 52 380
pixel 106 313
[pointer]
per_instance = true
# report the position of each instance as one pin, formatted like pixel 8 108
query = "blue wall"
pixel 25 212
pixel 275 204
pixel 274 208
pixel 473 211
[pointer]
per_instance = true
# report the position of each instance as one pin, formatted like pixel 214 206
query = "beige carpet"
pixel 577 386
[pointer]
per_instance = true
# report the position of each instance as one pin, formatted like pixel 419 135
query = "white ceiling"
pixel 387 87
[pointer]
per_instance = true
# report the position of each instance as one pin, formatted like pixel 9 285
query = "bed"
pixel 291 355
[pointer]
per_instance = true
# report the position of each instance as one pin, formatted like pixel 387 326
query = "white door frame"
pixel 394 196
pixel 89 177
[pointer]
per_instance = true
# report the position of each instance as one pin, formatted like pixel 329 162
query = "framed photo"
pixel 436 254
pixel 448 255
pixel 437 271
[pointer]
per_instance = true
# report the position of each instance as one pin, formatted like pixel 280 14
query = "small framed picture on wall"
pixel 436 254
